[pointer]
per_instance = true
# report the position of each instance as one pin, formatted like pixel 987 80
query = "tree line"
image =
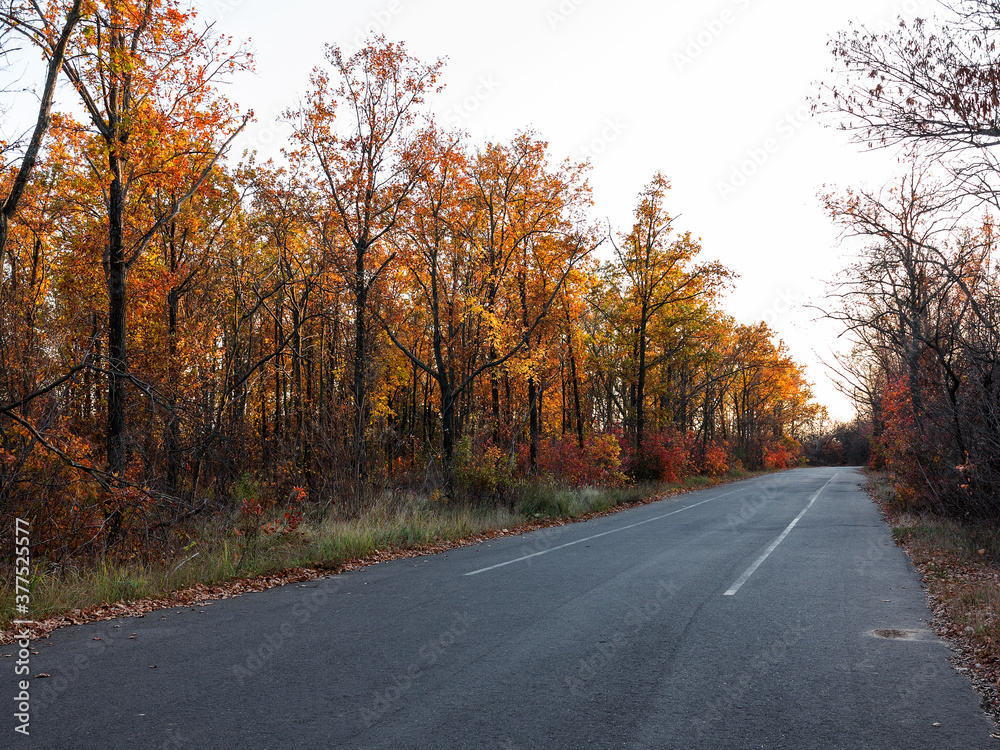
pixel 921 303
pixel 392 307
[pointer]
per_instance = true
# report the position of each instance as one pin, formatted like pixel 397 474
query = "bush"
pixel 598 464
pixel 926 478
pixel 711 459
pixel 782 453
pixel 543 499
pixel 482 474
pixel 664 456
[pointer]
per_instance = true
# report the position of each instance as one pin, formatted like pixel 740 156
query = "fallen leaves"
pixel 963 596
pixel 202 595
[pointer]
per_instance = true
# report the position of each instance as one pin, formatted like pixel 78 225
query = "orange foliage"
pixel 396 306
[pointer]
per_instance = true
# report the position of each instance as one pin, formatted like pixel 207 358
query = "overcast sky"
pixel 712 93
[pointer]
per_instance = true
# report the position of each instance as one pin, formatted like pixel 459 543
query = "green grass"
pixel 218 554
pixel 546 500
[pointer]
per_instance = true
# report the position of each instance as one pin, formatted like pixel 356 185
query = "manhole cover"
pixel 899 634
pixel 890 633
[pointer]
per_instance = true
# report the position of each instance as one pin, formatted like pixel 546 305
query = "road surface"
pixel 736 617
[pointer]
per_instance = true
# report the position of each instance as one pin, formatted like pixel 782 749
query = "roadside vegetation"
pixel 213 368
pixel 920 303
pixel 260 548
pixel 960 565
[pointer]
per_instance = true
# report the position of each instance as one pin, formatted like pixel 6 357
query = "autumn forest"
pixel 394 308
pixel 395 315
pixel 398 344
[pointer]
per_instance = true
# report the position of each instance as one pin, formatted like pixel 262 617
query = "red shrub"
pixel 599 463
pixel 781 454
pixel 664 456
pixel 711 459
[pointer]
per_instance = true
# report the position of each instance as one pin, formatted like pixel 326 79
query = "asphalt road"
pixel 637 630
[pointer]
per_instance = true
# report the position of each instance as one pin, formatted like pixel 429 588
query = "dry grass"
pixel 393 523
pixel 218 555
pixel 959 566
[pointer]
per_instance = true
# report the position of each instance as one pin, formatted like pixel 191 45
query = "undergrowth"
pixel 958 561
pixel 247 544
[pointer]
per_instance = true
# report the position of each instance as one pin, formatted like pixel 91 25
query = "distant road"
pixel 736 617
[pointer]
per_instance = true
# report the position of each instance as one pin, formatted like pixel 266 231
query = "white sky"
pixel 694 89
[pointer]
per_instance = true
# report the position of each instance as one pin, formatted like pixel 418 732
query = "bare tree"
pixel 929 85
pixel 53 46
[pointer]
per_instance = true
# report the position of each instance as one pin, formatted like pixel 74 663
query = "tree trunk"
pixel 117 341
pixel 576 394
pixel 533 425
pixel 117 458
pixel 640 389
pixel 448 434
pixel 173 425
pixel 495 398
pixel 361 406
